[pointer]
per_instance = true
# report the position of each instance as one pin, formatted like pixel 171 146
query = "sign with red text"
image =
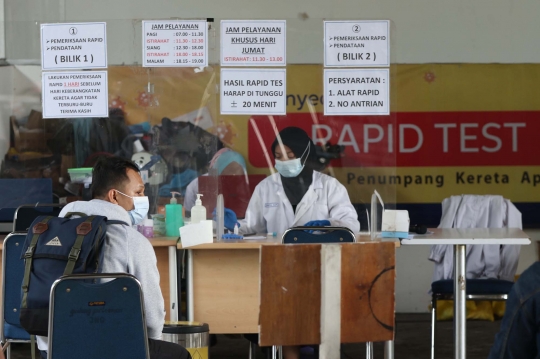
pixel 175 43
pixel 253 43
pixel 75 94
pixel 416 139
pixel 357 43
pixel 74 46
pixel 357 92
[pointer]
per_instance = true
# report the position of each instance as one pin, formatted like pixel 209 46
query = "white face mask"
pixel 292 168
pixel 141 204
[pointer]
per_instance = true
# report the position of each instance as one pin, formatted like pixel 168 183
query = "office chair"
pixel 11 330
pixel 97 316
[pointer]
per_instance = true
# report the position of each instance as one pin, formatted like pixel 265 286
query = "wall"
pixel 426 31
pixel 2 31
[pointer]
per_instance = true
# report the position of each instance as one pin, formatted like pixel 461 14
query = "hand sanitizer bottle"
pixel 198 212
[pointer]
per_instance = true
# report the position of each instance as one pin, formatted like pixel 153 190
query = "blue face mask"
pixel 140 210
pixel 292 168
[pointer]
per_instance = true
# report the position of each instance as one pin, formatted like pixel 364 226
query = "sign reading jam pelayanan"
pixel 175 43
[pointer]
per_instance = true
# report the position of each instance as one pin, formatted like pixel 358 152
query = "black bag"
pixel 54 247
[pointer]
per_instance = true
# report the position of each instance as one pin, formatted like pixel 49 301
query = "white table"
pixel 459 238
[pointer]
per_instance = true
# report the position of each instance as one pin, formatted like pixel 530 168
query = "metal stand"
pixel 389 349
pixel 460 315
pixel 369 350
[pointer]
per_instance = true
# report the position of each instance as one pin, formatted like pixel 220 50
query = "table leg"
pixel 173 284
pixel 460 315
pixel 189 284
pixel 389 349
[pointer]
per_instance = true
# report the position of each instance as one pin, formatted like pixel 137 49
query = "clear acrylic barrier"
pixel 174 115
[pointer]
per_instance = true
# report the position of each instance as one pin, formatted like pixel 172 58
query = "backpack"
pixel 56 246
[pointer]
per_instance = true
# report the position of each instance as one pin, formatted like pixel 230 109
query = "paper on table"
pixel 194 234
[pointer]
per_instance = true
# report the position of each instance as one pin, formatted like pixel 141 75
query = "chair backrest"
pixel 97 316
pixel 26 213
pixel 12 276
pixel 298 235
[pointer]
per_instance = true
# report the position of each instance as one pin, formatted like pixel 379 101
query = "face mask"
pixel 291 168
pixel 141 204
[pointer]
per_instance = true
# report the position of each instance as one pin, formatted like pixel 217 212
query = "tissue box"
pixel 395 223
pixel 194 234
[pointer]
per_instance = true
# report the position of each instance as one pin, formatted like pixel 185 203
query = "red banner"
pixel 408 139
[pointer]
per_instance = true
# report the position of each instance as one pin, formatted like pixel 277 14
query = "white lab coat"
pixel 483 261
pixel 269 209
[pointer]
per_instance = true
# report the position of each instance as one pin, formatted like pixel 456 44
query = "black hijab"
pixel 297 140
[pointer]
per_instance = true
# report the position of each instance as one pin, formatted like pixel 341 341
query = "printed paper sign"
pixel 74 46
pixel 253 43
pixel 175 43
pixel 253 91
pixel 357 43
pixel 75 94
pixel 356 92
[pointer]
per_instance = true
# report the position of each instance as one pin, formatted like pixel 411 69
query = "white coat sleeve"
pixel 254 221
pixel 340 208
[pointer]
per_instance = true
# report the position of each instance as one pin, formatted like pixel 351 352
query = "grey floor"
pixel 412 341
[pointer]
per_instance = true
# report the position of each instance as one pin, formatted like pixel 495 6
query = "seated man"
pixel 518 337
pixel 118 194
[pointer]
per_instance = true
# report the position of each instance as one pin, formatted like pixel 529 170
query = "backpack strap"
pixel 28 256
pixel 71 214
pixel 82 230
pixel 117 222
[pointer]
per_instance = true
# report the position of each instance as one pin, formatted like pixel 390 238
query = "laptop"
pixel 235 189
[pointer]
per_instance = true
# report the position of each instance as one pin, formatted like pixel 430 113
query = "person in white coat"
pixel 297 195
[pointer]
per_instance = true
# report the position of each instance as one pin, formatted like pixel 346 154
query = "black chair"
pixel 26 213
pixel 306 235
pixel 477 289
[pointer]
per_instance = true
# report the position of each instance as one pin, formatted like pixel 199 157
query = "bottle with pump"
pixel 198 212
pixel 173 217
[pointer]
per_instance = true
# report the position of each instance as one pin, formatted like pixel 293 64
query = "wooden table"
pixel 223 284
pixel 459 238
pixel 165 249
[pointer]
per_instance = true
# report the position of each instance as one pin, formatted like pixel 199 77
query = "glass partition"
pixel 168 120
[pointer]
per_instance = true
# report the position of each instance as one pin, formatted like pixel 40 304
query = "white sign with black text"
pixel 362 43
pixel 75 94
pixel 253 43
pixel 175 43
pixel 356 92
pixel 253 91
pixel 74 46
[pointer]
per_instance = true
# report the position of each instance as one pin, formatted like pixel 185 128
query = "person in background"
pixel 518 337
pixel 225 162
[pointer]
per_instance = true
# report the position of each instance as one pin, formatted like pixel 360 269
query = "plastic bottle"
pixel 198 212
pixel 173 217
pixel 148 228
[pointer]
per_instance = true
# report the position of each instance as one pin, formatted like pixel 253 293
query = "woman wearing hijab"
pixel 297 195
pixel 225 162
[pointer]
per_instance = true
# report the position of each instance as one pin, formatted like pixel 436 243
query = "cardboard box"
pixel 29 140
